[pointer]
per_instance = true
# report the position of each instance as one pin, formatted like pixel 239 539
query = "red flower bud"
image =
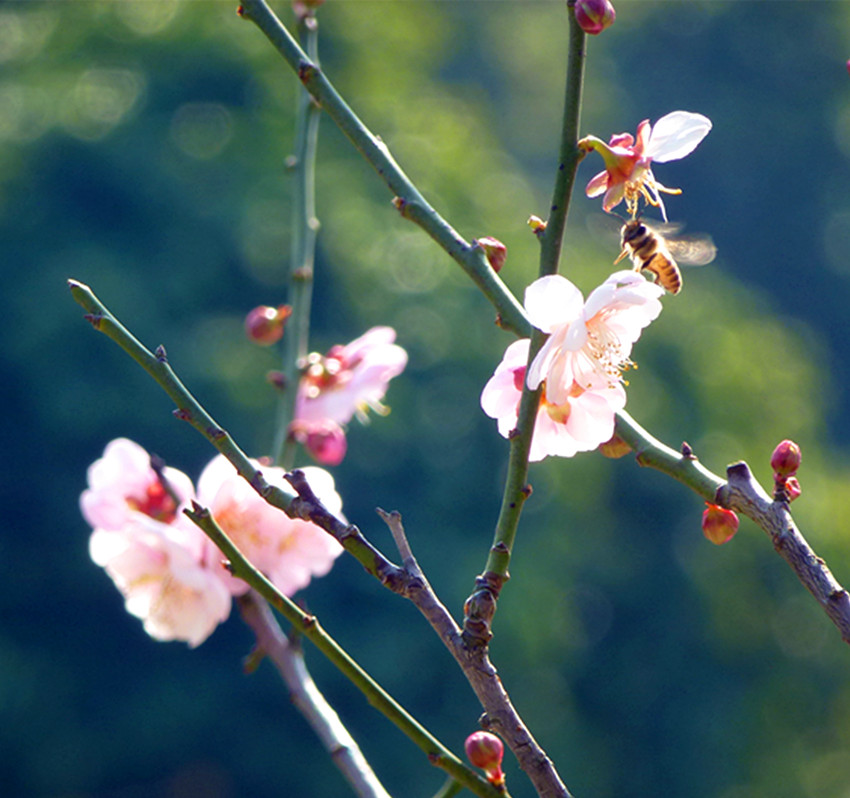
pixel 785 460
pixel 719 525
pixel 485 751
pixel 495 251
pixel 594 16
pixel 264 325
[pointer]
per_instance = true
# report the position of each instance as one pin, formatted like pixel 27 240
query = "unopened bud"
pixel 537 225
pixel 593 16
pixel 785 460
pixel 264 324
pixel 485 751
pixel 719 525
pixel 324 440
pixel 305 8
pixel 495 251
pixel 614 448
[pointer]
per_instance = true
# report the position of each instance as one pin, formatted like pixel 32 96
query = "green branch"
pixel 517 489
pixel 305 227
pixel 308 625
pixel 409 200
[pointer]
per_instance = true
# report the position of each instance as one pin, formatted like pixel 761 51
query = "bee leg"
pixel 621 256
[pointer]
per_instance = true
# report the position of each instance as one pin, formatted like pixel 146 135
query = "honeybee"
pixel 653 252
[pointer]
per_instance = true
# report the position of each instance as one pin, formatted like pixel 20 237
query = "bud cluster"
pixel 785 461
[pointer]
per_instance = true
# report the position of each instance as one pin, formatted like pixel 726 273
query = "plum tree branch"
pixel 743 494
pixel 410 202
pixel 308 625
pixel 288 660
pixel 305 228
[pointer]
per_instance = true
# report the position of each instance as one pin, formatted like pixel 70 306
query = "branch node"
pixel 95 319
pixel 182 413
pixel 307 71
pixel 160 354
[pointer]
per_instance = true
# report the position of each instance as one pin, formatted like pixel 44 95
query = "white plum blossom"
pixel 582 422
pixel 628 159
pixel 590 342
pixel 288 551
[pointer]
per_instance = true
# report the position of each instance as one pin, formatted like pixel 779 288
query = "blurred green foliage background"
pixel 142 151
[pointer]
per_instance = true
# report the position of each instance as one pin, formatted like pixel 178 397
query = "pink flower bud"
pixel 719 525
pixel 785 460
pixel 485 751
pixel 305 8
pixel 594 16
pixel 495 251
pixel 264 324
pixel 324 440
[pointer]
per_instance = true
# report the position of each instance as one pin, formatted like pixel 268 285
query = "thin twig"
pixel 289 662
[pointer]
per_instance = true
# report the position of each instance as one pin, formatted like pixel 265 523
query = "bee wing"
pixel 695 250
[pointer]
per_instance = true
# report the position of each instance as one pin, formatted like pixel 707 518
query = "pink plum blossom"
pixel 123 483
pixel 589 342
pixel 163 583
pixel 288 551
pixel 156 557
pixel 350 379
pixel 581 423
pixel 628 160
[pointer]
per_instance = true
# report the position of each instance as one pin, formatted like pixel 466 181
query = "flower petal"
pixel 597 185
pixel 676 135
pixel 552 300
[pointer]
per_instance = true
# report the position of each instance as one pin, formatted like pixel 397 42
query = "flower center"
pixel 560 413
pixel 327 372
pixel 606 352
pixel 157 503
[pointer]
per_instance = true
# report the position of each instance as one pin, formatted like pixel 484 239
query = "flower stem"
pixel 409 200
pixel 309 626
pixel 305 226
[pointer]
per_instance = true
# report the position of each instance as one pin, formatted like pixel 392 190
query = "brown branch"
pixel 289 662
pixel 743 494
